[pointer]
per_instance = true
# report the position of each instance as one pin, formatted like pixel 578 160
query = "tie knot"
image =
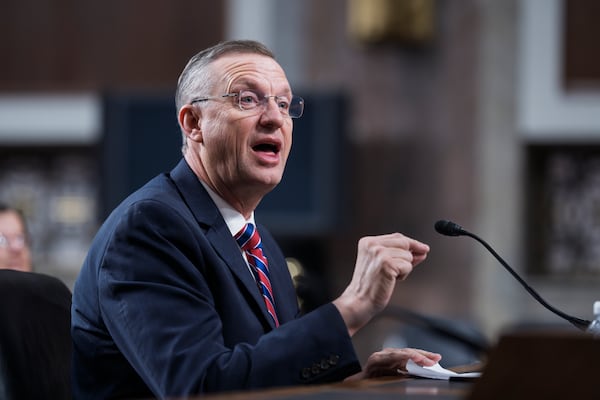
pixel 248 237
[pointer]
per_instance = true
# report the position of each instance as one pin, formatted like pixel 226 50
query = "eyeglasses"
pixel 17 241
pixel 250 100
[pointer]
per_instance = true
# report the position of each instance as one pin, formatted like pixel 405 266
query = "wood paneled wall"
pixel 85 44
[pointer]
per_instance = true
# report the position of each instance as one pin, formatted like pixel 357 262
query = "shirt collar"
pixel 233 218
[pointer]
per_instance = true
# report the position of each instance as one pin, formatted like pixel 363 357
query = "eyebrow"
pixel 253 85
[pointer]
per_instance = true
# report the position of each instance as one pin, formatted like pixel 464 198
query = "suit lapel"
pixel 208 216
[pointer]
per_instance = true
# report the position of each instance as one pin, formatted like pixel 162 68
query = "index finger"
pixel 417 247
pixel 397 239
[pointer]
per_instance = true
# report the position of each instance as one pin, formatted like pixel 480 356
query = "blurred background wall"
pixel 479 111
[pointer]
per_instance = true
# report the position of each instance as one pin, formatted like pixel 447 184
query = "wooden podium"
pixel 541 365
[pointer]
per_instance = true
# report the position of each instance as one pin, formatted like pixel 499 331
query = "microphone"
pixel 449 228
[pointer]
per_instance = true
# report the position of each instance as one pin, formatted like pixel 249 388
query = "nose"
pixel 14 246
pixel 271 114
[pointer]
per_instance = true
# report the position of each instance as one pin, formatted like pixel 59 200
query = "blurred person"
pixel 15 252
pixel 183 293
pixel 35 345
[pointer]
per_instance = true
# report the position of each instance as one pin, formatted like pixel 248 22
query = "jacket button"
pixel 315 369
pixel 324 364
pixel 305 373
pixel 333 359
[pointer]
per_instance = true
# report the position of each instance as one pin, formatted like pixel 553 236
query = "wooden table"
pixel 406 388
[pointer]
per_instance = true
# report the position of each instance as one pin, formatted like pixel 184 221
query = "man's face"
pixel 245 151
pixel 14 248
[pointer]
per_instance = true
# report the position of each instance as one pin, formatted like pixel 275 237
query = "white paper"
pixel 437 372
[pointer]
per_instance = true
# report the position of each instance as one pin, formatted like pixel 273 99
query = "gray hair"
pixel 196 76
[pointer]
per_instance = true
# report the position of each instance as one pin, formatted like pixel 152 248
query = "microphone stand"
pixel 577 322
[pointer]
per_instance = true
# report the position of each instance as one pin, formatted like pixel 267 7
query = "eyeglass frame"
pixel 18 241
pixel 262 102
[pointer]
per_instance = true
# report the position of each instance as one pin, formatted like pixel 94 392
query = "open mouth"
pixel 266 148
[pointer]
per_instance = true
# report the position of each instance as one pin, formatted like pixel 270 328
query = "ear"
pixel 190 119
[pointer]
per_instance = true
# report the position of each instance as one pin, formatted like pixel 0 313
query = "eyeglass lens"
pixel 294 107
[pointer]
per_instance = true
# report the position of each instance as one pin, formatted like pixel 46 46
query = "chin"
pixel 271 177
pixel 270 184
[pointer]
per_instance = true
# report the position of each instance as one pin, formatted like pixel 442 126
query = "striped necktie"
pixel 249 240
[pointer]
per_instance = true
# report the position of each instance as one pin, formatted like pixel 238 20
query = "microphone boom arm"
pixel 578 322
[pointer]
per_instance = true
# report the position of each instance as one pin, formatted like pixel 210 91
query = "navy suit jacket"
pixel 165 305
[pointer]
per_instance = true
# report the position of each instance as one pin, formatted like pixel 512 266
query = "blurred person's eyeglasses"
pixel 251 100
pixel 17 241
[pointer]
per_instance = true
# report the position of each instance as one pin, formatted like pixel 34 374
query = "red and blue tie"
pixel 249 240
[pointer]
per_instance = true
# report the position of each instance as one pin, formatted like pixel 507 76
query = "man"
pixel 14 245
pixel 167 302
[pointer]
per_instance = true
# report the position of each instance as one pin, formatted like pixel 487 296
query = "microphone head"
pixel 449 228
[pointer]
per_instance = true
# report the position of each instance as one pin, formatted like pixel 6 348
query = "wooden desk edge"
pixel 278 392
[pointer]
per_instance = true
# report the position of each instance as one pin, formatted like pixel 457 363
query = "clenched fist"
pixel 380 262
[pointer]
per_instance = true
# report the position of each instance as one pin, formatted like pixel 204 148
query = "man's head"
pixel 235 108
pixel 14 243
